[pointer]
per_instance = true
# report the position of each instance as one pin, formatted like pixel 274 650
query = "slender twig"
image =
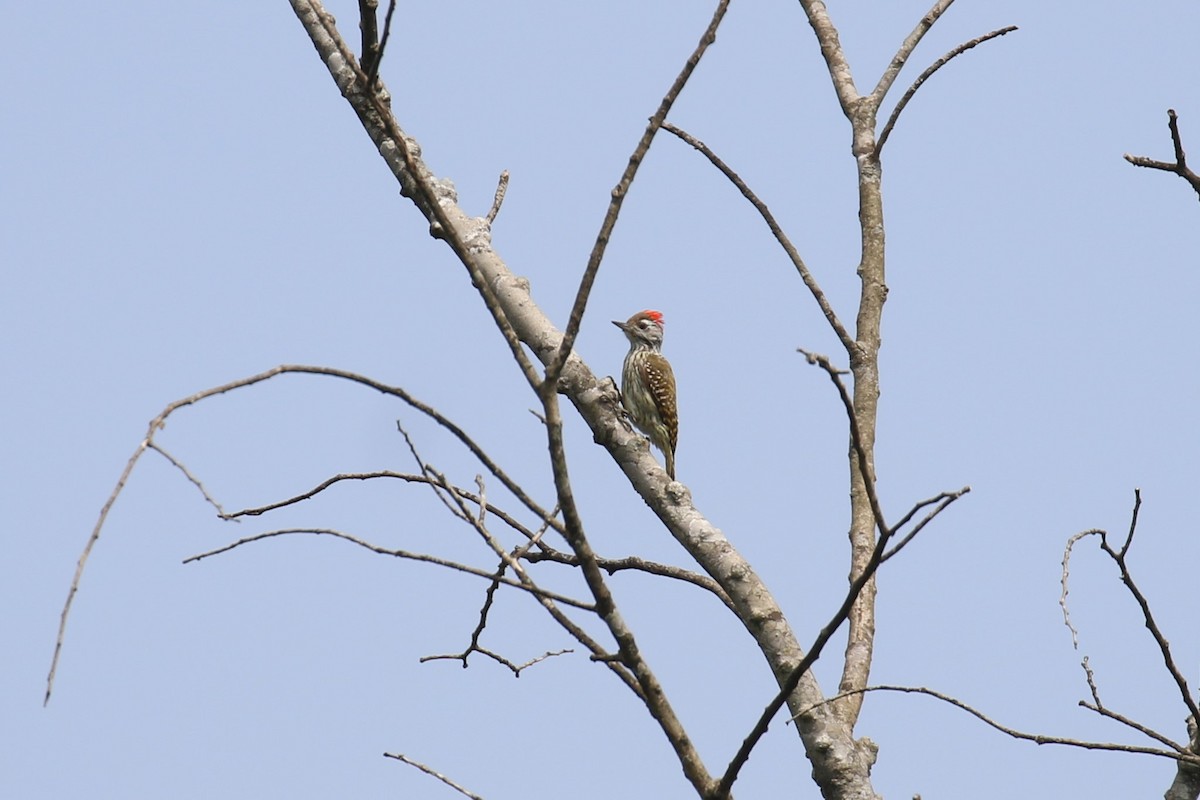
pixel 924 76
pixel 1180 166
pixel 516 669
pixel 429 771
pixel 1133 521
pixel 1137 726
pixel 615 565
pixel 776 230
pixel 395 553
pixel 152 445
pixel 498 199
pixel 377 57
pixel 1037 738
pixel 508 519
pixel 946 498
pixel 554 368
pixel 907 47
pixel 1066 574
pixel 860 450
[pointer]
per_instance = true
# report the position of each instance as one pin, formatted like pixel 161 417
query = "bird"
pixel 648 383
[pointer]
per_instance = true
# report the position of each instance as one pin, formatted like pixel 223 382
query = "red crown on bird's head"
pixel 654 315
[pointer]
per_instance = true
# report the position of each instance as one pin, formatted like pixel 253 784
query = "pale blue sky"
pixel 187 200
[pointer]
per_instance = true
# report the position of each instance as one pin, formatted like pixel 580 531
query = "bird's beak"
pixel 619 324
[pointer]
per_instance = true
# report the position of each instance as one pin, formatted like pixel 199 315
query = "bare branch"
pixel 1137 726
pixel 906 49
pixel 405 554
pixel 1133 520
pixel 516 669
pixel 924 76
pixel 831 50
pixel 152 445
pixel 87 551
pixel 554 368
pixel 1066 574
pixel 1180 166
pixel 776 230
pixel 507 518
pixel 438 482
pixel 614 565
pixel 856 438
pixel 943 500
pixel 1029 737
pixel 1144 604
pixel 438 775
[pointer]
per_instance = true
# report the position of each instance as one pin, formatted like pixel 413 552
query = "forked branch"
pixel 1176 754
pixel 927 74
pixel 1179 166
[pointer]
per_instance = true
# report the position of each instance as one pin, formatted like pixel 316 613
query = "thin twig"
pixel 430 771
pixel 835 375
pixel 944 500
pixel 907 47
pixel 776 230
pixel 615 565
pixel 1133 521
pixel 1137 726
pixel 508 519
pixel 498 199
pixel 187 474
pixel 438 482
pixel 1180 166
pixel 554 368
pixel 1066 574
pixel 373 71
pixel 405 554
pixel 1016 734
pixel 924 76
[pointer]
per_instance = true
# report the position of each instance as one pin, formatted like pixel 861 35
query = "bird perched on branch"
pixel 648 384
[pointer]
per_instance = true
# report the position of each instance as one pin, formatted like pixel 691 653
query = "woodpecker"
pixel 648 384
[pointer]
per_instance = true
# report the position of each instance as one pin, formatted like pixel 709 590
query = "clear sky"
pixel 186 200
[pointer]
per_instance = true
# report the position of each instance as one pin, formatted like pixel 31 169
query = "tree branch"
pixel 429 771
pixel 1029 737
pixel 1180 166
pixel 924 76
pixel 527 586
pixel 554 368
pixel 776 230
pixel 906 49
